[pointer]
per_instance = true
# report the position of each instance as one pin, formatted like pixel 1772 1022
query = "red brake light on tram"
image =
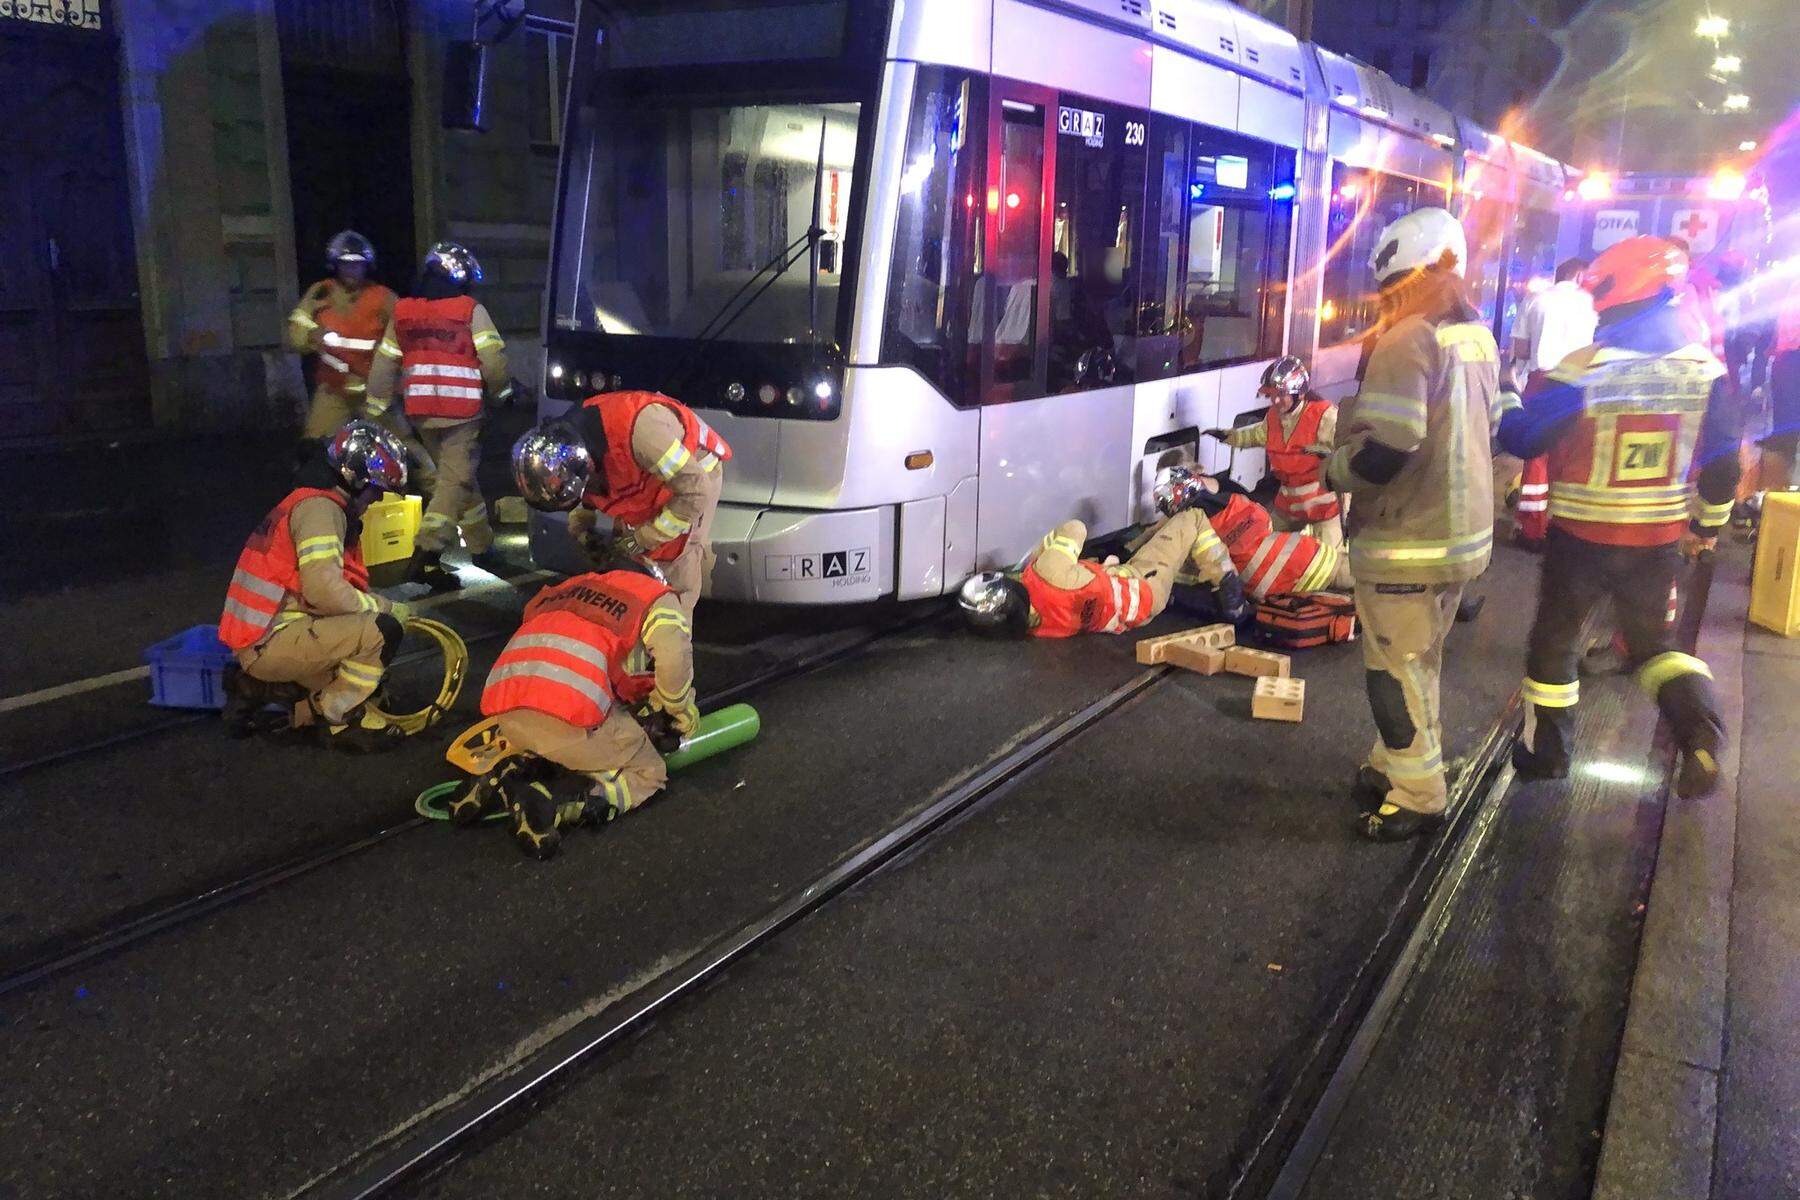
pixel 1012 200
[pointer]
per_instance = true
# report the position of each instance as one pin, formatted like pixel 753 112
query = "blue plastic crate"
pixel 188 670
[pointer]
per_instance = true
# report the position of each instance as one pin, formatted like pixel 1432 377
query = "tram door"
pixel 72 356
pixel 1053 443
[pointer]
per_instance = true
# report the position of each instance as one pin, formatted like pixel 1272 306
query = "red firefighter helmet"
pixel 1638 268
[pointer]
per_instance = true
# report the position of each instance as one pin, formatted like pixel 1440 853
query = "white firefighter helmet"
pixel 1418 240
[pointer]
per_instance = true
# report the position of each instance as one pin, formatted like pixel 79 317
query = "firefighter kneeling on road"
pixel 1297 434
pixel 307 632
pixel 1060 594
pixel 1641 431
pixel 1270 563
pixel 590 651
pixel 444 354
pixel 644 460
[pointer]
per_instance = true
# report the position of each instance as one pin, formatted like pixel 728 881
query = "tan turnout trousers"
pixel 1403 631
pixel 456 501
pixel 616 755
pixel 336 659
pixel 692 571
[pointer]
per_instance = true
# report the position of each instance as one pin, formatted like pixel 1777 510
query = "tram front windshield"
pixel 685 203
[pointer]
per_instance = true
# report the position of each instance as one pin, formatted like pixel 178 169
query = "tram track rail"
pixel 141 922
pixel 493 1109
pixel 482 1112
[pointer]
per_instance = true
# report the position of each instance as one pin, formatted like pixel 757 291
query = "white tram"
pixel 1058 239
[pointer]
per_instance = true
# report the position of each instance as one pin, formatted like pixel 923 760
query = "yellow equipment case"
pixel 388 529
pixel 1774 590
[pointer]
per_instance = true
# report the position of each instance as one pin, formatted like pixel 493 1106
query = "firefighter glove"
pixel 681 710
pixel 1219 434
pixel 1693 545
pixel 1233 607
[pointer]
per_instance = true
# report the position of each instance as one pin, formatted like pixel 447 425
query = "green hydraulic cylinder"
pixel 721 730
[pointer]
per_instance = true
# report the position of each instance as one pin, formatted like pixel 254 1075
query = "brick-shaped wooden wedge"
pixel 1205 660
pixel 1278 698
pixel 1242 660
pixel 1154 650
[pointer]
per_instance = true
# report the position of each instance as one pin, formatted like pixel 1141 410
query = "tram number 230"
pixel 1134 133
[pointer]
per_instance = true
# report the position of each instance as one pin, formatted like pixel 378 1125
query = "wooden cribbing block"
pixel 1278 698
pixel 1154 650
pixel 1205 660
pixel 1242 660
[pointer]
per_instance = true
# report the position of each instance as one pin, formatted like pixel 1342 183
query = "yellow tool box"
pixel 1774 591
pixel 388 529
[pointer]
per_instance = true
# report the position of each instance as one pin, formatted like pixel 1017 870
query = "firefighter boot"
pixel 1692 709
pixel 1542 751
pixel 484 796
pixel 255 705
pixel 1391 823
pixel 363 731
pixel 428 568
pixel 534 810
pixel 1370 789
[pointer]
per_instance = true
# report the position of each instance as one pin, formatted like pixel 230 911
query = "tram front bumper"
pixel 799 556
pixel 770 555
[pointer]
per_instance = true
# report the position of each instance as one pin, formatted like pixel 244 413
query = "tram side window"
pixel 1533 262
pixel 937 243
pixel 1219 217
pixel 1097 213
pixel 1362 204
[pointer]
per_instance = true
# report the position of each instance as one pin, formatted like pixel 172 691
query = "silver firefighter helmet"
pixel 1288 376
pixel 366 455
pixel 454 262
pixel 994 604
pixel 1182 486
pixel 349 246
pixel 552 467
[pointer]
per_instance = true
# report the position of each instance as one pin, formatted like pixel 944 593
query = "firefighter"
pixel 1059 594
pixel 307 633
pixel 340 319
pixel 442 352
pixel 1641 433
pixel 590 651
pixel 1413 455
pixel 1271 562
pixel 1297 433
pixel 644 460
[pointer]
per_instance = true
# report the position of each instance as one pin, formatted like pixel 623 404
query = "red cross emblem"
pixel 1694 226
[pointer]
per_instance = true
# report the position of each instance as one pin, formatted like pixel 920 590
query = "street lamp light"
pixel 1737 102
pixel 1747 145
pixel 1728 64
pixel 1713 27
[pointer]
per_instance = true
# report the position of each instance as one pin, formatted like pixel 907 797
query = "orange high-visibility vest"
pixel 1272 564
pixel 1303 496
pixel 571 658
pixel 269 569
pixel 440 371
pixel 1106 603
pixel 351 334
pixel 634 496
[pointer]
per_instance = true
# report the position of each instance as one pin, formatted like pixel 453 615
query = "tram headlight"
pixel 734 392
pixel 796 396
pixel 767 395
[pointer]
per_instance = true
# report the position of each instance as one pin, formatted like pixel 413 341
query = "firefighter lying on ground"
pixel 589 652
pixel 644 460
pixel 309 636
pixel 1297 434
pixel 1271 563
pixel 442 353
pixel 1641 433
pixel 1059 594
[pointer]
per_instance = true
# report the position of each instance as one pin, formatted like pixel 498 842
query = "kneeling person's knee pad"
pixel 1387 701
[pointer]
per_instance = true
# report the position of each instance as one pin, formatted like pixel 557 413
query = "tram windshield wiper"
pixel 806 244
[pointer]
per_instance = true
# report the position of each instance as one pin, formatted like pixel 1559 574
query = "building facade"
pixel 176 166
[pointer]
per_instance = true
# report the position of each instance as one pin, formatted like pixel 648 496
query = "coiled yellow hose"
pixel 456 665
